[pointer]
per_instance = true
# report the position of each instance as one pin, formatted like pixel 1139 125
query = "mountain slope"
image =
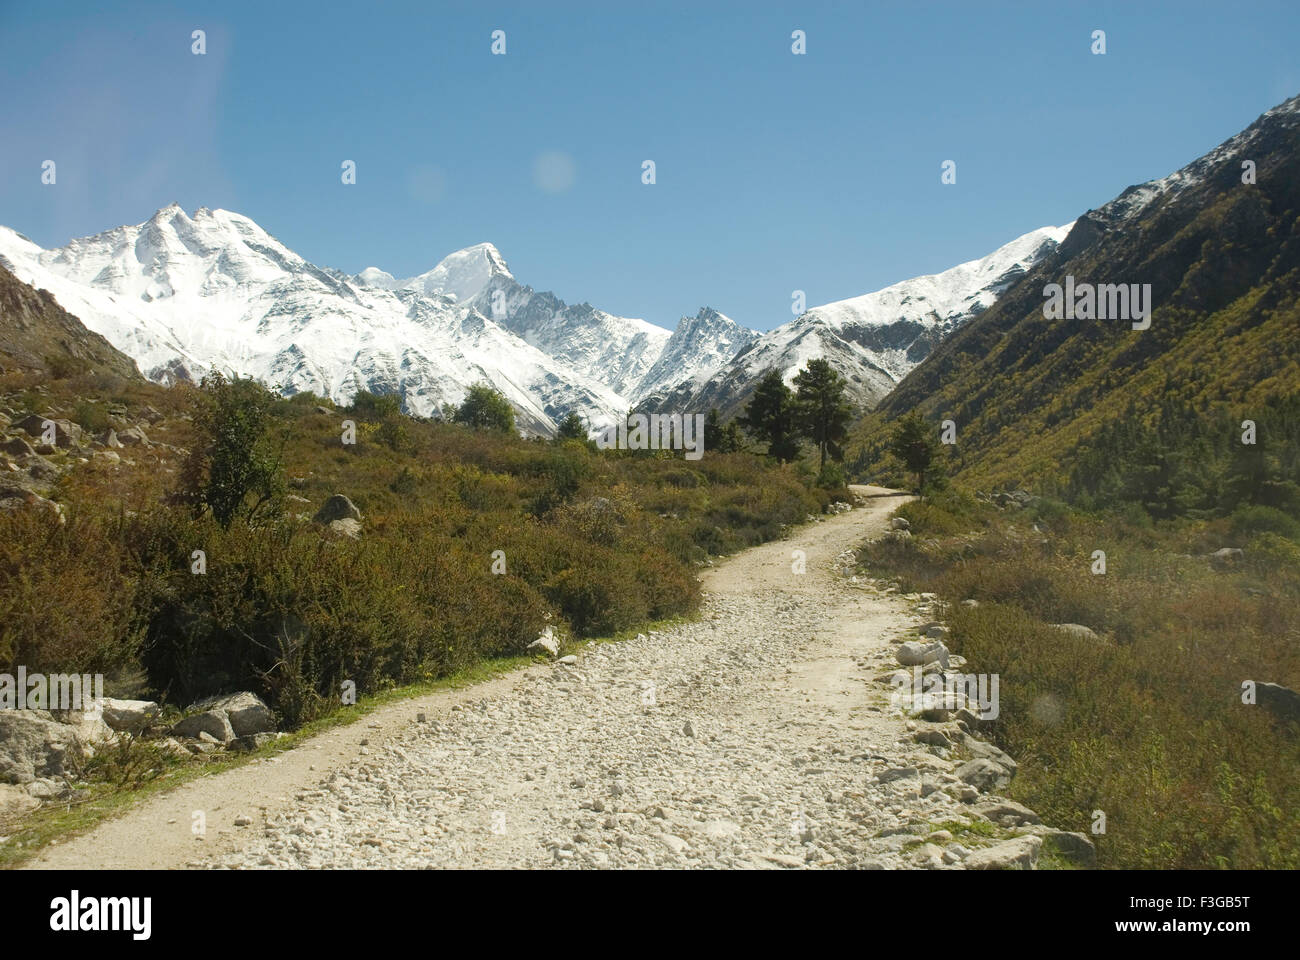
pixel 698 346
pixel 872 340
pixel 36 333
pixel 1223 261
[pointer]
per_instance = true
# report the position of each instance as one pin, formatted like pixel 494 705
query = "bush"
pixel 91 416
pixel 1248 520
pixel 375 408
pixel 232 459
pixel 486 409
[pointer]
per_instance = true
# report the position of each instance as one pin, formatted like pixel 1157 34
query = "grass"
pixel 1145 724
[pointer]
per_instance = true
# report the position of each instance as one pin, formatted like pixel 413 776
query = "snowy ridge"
pixel 873 340
pixel 184 295
pixel 1138 197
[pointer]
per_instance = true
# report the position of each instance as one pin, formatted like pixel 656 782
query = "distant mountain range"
pixel 873 340
pixel 183 294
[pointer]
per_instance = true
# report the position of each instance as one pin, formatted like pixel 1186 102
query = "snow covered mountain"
pixel 183 295
pixel 698 346
pixel 873 340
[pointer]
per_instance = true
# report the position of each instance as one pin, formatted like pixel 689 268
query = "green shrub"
pixel 1251 519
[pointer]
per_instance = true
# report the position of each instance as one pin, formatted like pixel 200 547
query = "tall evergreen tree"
pixel 772 416
pixel 823 413
pixel 572 428
pixel 915 444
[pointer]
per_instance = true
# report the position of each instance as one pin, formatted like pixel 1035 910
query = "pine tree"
pixel 915 444
pixel 772 416
pixel 823 413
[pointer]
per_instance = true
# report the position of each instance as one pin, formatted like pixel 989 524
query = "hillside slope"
pixel 1103 402
pixel 36 333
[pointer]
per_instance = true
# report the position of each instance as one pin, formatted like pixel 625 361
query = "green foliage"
pixel 393 434
pixel 831 476
pixel 1147 723
pixel 772 417
pixel 571 428
pixel 822 412
pixel 914 443
pixel 92 417
pixel 595 540
pixel 232 470
pixel 65 367
pixel 486 409
pixel 375 408
pixel 1250 519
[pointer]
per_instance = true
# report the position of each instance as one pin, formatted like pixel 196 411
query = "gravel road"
pixel 754 737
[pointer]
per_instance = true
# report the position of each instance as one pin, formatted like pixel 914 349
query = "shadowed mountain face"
pixel 1031 395
pixel 36 333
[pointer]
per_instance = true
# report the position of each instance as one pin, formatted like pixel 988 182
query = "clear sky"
pixel 775 172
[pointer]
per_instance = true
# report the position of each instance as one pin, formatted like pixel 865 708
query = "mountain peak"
pixel 167 212
pixel 462 275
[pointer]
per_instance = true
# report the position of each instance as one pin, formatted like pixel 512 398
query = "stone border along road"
pixel 758 736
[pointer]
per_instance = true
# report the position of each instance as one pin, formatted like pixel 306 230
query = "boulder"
pixel 17 447
pixel 246 712
pixel 985 775
pixel 109 439
pixel 1007 813
pixel 337 507
pixel 1281 701
pixel 899 523
pixel 251 742
pixel 546 643
pixel 987 751
pixel 1020 853
pixel 911 653
pixel 1079 631
pixel 1073 847
pixel 15 801
pixel 1227 557
pixel 15 498
pixel 66 433
pixel 347 527
pixel 133 436
pixel 33 745
pixel 88 725
pixel 40 469
pixel 129 716
pixel 214 723
pixel 898 773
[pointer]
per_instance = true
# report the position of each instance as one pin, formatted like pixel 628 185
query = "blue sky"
pixel 775 172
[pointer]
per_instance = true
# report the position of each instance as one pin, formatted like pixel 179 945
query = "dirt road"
pixel 752 737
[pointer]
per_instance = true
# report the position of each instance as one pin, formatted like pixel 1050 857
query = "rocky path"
pixel 759 736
